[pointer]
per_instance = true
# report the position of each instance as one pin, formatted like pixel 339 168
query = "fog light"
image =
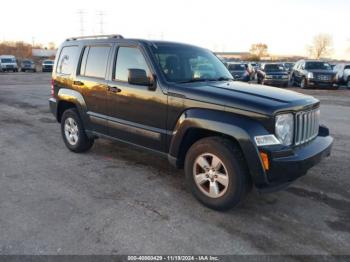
pixel 265 160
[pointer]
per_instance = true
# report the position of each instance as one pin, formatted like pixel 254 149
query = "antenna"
pixel 101 14
pixel 81 14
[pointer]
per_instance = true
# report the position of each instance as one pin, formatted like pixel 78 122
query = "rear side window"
pixel 67 60
pixel 94 61
pixel 129 58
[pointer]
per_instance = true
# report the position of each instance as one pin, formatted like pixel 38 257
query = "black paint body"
pixel 168 117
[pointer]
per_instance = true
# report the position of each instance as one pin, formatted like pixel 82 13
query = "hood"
pixel 249 97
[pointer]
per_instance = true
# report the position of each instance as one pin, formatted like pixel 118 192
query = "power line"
pixel 101 14
pixel 81 14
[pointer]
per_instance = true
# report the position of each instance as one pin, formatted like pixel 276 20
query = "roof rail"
pixel 95 37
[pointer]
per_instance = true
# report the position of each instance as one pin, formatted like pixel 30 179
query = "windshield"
pixel 274 67
pixel 289 65
pixel 8 60
pixel 27 62
pixel 318 65
pixel 182 64
pixel 48 62
pixel 237 67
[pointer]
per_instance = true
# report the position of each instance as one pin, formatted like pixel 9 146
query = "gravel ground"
pixel 119 200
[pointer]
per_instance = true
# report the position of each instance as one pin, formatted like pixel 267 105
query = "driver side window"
pixel 129 58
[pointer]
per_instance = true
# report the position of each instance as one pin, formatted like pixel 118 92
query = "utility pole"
pixel 101 14
pixel 81 14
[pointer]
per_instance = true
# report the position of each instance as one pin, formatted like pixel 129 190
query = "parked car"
pixel 239 71
pixel 226 135
pixel 27 65
pixel 274 74
pixel 47 65
pixel 289 66
pixel 8 63
pixel 313 73
pixel 342 71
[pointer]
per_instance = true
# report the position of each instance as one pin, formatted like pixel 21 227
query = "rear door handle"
pixel 114 89
pixel 78 83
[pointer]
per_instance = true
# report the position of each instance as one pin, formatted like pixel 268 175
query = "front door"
pixel 137 113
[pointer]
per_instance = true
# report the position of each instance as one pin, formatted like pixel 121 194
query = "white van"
pixel 8 63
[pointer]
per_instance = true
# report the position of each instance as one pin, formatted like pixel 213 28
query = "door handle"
pixel 114 89
pixel 78 83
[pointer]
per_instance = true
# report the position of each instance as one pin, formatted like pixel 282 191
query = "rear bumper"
pixel 53 106
pixel 286 165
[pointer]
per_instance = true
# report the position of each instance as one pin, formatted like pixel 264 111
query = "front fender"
pixel 242 129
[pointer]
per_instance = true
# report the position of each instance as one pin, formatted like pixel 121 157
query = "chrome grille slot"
pixel 306 126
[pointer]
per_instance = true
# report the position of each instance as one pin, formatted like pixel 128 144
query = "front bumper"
pixel 288 164
pixel 276 82
pixel 47 68
pixel 319 83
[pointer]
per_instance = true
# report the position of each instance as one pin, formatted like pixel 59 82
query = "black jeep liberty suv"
pixel 228 136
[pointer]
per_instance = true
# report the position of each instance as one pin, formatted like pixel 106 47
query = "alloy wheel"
pixel 210 175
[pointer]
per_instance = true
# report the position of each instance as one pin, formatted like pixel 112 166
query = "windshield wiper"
pixel 222 78
pixel 205 80
pixel 193 80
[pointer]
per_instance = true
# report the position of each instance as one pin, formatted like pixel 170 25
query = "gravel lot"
pixel 120 200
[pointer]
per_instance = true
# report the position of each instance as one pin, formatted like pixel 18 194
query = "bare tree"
pixel 259 50
pixel 321 46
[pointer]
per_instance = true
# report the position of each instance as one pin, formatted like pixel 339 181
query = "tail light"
pixel 52 87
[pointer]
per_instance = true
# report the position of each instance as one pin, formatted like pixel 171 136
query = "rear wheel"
pixel 216 173
pixel 292 81
pixel 73 132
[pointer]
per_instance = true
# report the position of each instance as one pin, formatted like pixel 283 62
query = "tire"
pixel 292 81
pixel 73 132
pixel 233 171
pixel 348 83
pixel 303 83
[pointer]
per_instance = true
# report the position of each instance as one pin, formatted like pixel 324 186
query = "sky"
pixel 286 26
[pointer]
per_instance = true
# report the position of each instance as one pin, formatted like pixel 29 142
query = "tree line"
pixel 21 49
pixel 321 47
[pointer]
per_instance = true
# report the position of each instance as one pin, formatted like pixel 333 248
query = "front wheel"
pixel 73 132
pixel 303 83
pixel 216 173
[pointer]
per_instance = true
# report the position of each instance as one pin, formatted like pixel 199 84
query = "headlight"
pixel 310 75
pixel 284 128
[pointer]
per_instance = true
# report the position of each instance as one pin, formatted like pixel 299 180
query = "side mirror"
pixel 139 77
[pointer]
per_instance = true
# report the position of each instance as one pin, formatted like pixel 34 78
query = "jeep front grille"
pixel 306 126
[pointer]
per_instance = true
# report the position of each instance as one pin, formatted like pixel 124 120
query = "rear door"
pixel 91 79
